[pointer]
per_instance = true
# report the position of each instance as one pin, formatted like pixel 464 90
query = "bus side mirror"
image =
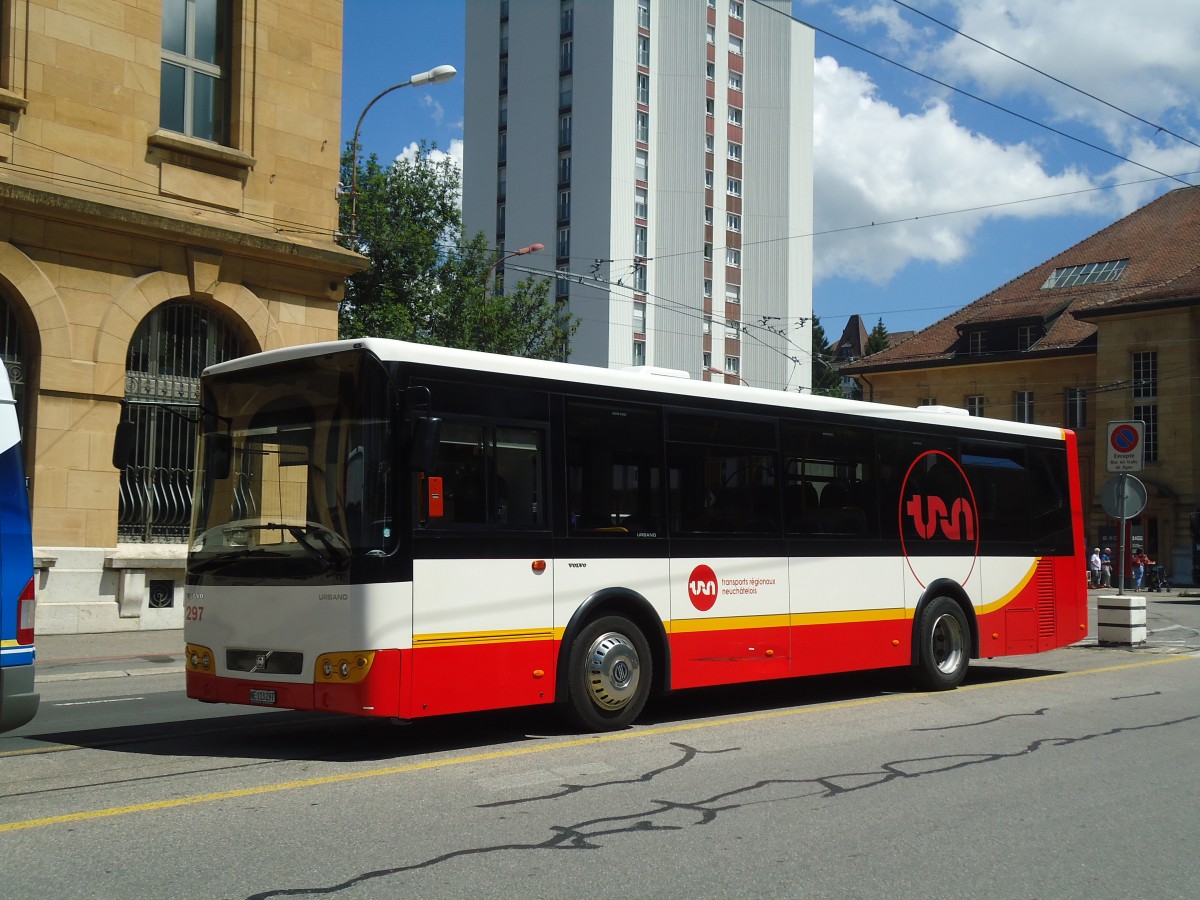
pixel 423 450
pixel 124 442
pixel 219 449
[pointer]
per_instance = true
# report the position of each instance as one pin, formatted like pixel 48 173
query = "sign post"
pixel 1126 448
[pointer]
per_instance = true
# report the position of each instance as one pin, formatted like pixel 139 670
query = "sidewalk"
pixel 75 657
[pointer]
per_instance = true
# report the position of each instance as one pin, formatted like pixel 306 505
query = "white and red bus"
pixel 386 529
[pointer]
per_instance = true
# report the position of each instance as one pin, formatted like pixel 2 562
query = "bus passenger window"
pixel 614 471
pixel 462 467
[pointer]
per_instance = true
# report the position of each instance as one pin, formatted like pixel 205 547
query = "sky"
pixel 955 143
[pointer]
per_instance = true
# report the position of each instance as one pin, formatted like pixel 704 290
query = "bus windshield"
pixel 294 473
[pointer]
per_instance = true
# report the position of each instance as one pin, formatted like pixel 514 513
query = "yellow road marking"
pixel 526 751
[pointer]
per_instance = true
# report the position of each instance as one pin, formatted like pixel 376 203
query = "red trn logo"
pixel 929 516
pixel 702 588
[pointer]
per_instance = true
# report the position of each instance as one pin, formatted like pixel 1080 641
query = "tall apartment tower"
pixel 661 151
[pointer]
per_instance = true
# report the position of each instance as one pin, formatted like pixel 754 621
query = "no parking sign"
pixel 1125 445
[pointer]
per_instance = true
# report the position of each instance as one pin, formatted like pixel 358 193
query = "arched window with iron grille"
pixel 169 350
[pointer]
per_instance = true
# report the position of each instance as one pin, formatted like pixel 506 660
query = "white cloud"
pixel 873 164
pixel 437 154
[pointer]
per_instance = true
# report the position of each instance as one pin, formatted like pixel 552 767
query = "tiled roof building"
pixel 1107 330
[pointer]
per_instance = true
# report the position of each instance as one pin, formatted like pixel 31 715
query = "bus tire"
pixel 608 674
pixel 943 649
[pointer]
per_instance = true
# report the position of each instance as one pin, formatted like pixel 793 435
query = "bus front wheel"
pixel 608 674
pixel 943 646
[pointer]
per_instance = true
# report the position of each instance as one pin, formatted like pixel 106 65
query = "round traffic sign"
pixel 1135 496
pixel 1124 438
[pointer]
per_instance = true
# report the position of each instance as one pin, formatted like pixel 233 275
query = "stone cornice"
pixel 180 222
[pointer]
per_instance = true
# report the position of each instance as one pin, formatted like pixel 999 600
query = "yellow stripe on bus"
pixel 464 638
pixel 1011 595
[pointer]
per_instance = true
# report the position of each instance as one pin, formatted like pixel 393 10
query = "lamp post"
pixel 436 75
pixel 532 248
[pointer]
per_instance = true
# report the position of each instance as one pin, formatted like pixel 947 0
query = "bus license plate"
pixel 267 697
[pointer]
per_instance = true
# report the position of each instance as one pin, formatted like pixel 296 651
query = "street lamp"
pixel 532 248
pixel 436 75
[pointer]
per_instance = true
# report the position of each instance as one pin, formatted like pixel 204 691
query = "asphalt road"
pixel 1069 774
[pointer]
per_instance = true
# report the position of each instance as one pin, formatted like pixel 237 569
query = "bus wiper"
pixel 328 554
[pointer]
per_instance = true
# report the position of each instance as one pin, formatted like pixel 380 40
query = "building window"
pixel 736 9
pixel 707 287
pixel 564 170
pixel 567 20
pixel 708 180
pixel 733 222
pixel 710 71
pixel 1145 375
pixel 733 257
pixel 643 89
pixel 500 220
pixel 639 277
pixel 735 151
pixel 565 93
pixel 1076 408
pixel 502 116
pixel 639 318
pixel 977 342
pixel 733 329
pixel 641 165
pixel 195 68
pixel 639 353
pixel 169 349
pixel 564 131
pixel 503 37
pixel 735 116
pixel 733 365
pixel 708 250
pixel 707 325
pixel 708 143
pixel 1148 413
pixel 975 405
pixel 639 203
pixel 1023 406
pixel 642 127
pixel 710 107
pixel 564 242
pixel 706 360
pixel 708 215
pixel 501 183
pixel 1027 336
pixel 711 33
pixel 643 50
pixel 643 13
pixel 639 240
pixel 733 293
pixel 564 206
pixel 502 148
pixel 503 75
pixel 735 45
pixel 1089 273
pixel 566 56
pixel 735 80
pixel 733 186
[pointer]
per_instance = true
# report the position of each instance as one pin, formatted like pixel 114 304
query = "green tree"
pixel 825 379
pixel 426 283
pixel 878 339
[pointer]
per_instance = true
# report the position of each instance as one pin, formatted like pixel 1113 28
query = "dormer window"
pixel 1089 273
pixel 1027 336
pixel 977 343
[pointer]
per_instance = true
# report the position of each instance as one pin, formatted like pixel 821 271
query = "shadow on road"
pixel 282 735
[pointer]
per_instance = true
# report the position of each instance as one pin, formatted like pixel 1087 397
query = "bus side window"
pixel 831 481
pixel 614 470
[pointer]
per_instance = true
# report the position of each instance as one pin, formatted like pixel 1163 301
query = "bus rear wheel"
pixel 943 646
pixel 608 674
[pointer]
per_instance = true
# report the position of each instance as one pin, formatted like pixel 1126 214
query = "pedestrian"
pixel 1095 569
pixel 1106 567
pixel 1138 565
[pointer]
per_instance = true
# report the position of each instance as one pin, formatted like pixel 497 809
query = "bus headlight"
pixel 344 668
pixel 198 659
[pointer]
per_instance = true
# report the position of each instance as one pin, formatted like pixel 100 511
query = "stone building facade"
pixel 1105 331
pixel 168 175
